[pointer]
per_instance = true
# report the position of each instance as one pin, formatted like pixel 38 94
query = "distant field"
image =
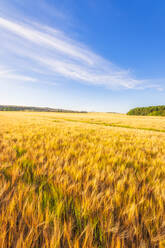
pixel 81 180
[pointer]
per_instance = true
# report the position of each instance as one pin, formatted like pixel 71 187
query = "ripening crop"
pixel 81 180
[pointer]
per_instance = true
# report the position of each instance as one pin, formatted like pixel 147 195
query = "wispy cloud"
pixel 12 75
pixel 52 52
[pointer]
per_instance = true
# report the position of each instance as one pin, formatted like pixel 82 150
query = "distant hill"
pixel 148 111
pixel 35 109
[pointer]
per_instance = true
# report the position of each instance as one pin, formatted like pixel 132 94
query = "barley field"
pixel 81 180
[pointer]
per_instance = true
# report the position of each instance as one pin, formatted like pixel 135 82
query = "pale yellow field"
pixel 81 180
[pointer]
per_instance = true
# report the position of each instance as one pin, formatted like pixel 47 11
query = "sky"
pixel 105 56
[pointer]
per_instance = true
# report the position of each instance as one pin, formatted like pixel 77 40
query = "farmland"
pixel 82 180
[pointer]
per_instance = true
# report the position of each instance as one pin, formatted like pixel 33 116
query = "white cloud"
pixel 52 52
pixel 44 39
pixel 11 75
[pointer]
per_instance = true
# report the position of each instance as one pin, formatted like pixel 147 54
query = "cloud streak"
pixel 50 51
pixel 10 75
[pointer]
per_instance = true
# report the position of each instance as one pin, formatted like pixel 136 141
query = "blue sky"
pixel 85 55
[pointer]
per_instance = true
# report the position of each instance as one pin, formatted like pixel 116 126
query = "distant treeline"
pixel 35 109
pixel 152 111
